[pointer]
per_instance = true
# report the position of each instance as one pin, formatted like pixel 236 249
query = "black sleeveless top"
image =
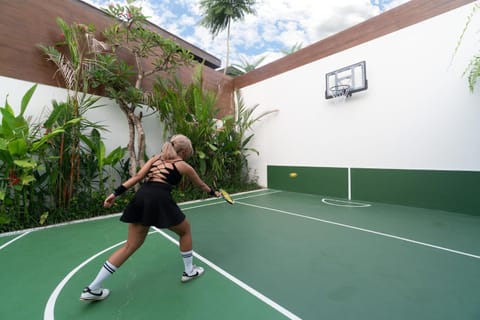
pixel 171 175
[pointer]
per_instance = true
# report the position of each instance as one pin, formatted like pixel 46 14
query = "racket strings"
pixel 226 196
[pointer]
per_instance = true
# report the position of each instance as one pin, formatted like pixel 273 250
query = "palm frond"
pixel 473 71
pixel 94 45
pixel 67 71
pixel 65 67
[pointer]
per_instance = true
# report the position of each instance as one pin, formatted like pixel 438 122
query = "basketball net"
pixel 340 93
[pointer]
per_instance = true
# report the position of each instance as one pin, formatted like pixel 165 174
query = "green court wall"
pixel 313 180
pixel 456 191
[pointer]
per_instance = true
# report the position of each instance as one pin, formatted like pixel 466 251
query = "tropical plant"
pixel 245 66
pixel 32 169
pixel 218 15
pixel 130 34
pixel 73 67
pixel 189 110
pixel 105 163
pixel 65 156
pixel 21 146
pixel 221 145
pixel 472 71
pixel 245 119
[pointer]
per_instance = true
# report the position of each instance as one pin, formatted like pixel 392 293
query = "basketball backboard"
pixel 346 80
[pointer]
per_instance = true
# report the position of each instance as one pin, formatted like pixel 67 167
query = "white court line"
pixel 49 312
pixel 13 240
pixel 238 282
pixel 268 191
pixel 343 203
pixel 112 215
pixel 59 224
pixel 364 230
pixel 258 195
pixel 107 216
pixel 349 183
pixel 221 202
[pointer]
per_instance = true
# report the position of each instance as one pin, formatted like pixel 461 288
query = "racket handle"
pixel 212 192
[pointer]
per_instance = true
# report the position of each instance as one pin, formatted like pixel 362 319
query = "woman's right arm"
pixel 188 170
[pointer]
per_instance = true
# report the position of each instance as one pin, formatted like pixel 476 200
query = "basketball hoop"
pixel 340 93
pixel 340 84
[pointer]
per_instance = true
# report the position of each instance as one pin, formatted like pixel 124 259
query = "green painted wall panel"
pixel 457 191
pixel 313 180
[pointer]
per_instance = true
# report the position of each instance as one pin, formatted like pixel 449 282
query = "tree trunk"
pixel 135 129
pixel 131 144
pixel 137 120
pixel 228 49
pixel 140 140
pixel 132 169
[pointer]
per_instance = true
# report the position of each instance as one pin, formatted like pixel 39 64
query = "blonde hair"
pixel 175 145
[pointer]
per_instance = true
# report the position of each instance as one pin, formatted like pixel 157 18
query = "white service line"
pixel 364 230
pixel 256 195
pixel 13 240
pixel 221 202
pixel 238 282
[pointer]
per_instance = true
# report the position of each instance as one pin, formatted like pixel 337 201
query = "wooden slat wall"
pixel 27 23
pixel 390 21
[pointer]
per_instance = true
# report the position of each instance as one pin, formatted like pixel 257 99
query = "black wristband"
pixel 212 192
pixel 121 189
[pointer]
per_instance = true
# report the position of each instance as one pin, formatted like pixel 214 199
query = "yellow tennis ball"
pixel 293 174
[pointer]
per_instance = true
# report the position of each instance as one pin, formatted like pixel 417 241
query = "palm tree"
pixel 72 64
pixel 219 14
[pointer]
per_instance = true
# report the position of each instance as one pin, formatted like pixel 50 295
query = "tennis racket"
pixel 226 196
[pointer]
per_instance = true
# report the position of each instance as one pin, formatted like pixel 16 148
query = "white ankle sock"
pixel 187 261
pixel 107 270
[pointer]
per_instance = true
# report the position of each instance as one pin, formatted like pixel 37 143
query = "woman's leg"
pixel 136 237
pixel 184 232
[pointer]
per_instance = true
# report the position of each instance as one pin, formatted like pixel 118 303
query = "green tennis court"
pixel 272 255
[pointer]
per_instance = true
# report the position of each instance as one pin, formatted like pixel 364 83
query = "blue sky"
pixel 278 25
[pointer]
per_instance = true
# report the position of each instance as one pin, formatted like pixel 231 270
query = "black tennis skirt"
pixel 153 205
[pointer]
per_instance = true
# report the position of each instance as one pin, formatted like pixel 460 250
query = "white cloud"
pixel 278 24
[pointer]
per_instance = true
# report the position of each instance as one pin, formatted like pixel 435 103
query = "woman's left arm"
pixel 129 183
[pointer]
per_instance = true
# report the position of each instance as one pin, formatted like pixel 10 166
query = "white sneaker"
pixel 94 295
pixel 196 272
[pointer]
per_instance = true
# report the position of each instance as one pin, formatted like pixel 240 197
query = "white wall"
pixel 111 116
pixel 417 113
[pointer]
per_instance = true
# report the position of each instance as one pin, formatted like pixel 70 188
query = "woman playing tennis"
pixel 153 205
